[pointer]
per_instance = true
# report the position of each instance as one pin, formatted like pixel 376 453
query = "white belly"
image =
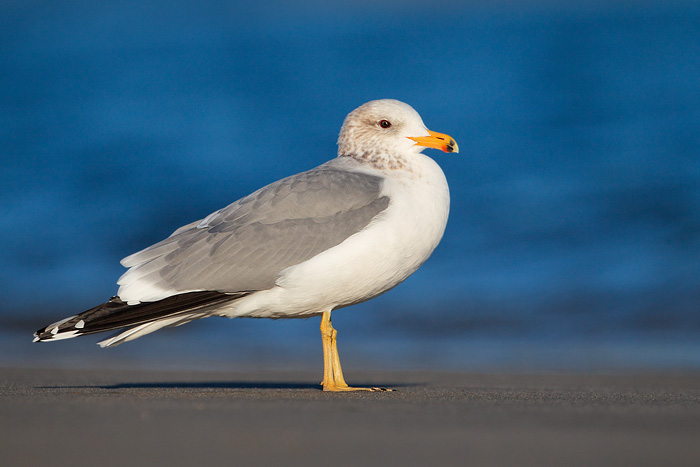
pixel 368 263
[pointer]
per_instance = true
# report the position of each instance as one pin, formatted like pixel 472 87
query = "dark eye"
pixel 384 123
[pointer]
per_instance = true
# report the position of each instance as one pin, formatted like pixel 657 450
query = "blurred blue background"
pixel 574 233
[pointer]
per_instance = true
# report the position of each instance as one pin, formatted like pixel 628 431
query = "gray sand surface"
pixel 124 417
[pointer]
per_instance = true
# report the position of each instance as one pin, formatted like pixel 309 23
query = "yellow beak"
pixel 436 140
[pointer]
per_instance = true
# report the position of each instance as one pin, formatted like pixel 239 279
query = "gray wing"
pixel 244 246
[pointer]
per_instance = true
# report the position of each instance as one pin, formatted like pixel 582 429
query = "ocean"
pixel 574 233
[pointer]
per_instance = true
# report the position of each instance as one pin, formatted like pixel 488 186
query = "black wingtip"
pixel 63 329
pixel 117 314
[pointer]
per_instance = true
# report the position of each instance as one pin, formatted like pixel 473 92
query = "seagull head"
pixel 388 126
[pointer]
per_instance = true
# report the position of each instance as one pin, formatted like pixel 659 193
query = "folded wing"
pixel 244 246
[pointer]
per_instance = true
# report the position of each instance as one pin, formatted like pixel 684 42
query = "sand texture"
pixel 124 417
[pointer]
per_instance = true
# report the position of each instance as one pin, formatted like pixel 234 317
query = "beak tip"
pixel 452 147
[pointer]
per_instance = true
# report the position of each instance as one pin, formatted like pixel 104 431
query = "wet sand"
pixel 124 417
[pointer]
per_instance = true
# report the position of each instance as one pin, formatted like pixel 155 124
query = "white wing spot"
pixel 61 336
pixel 80 324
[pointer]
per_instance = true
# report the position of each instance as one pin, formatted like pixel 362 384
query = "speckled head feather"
pixel 378 133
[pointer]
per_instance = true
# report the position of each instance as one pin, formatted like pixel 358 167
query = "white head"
pixel 388 127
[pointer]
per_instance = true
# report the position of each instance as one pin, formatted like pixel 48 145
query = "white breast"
pixel 370 262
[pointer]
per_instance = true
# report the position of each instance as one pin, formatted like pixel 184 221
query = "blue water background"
pixel 574 234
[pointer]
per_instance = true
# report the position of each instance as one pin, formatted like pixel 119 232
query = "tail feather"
pixel 117 314
pixel 147 328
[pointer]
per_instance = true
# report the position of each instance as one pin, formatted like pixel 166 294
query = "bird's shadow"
pixel 213 385
pixel 221 385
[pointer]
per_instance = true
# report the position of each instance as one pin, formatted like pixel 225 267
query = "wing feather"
pixel 244 246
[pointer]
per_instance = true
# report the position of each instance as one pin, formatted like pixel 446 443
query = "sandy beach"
pixel 125 417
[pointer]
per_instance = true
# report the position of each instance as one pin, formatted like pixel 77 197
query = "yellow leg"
pixel 337 369
pixel 326 335
pixel 332 371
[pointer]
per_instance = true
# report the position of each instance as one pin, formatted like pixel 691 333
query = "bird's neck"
pixel 379 160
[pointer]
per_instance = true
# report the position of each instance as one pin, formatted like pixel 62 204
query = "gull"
pixel 336 235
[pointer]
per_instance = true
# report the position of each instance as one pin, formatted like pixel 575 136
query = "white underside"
pixel 368 263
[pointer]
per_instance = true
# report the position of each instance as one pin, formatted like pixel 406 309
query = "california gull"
pixel 336 235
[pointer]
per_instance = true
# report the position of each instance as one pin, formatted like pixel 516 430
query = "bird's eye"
pixel 384 123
